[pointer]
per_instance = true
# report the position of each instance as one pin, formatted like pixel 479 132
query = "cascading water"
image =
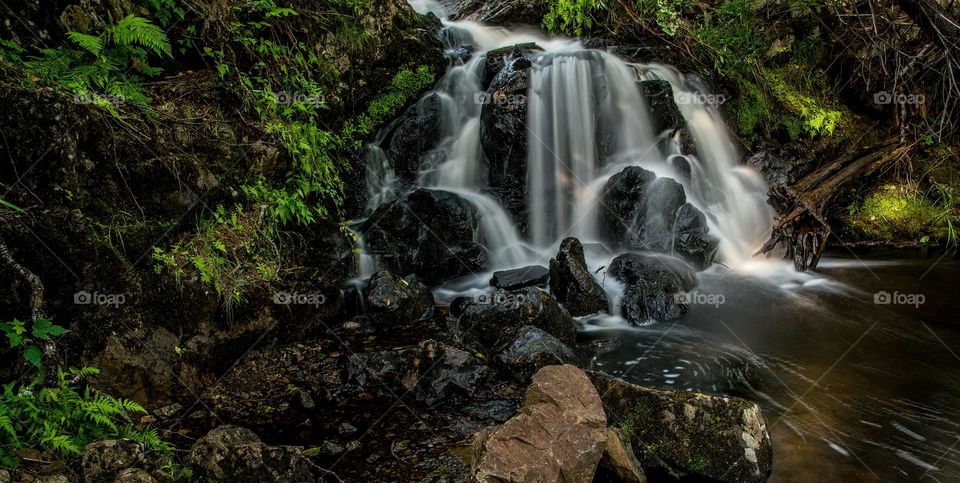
pixel 586 120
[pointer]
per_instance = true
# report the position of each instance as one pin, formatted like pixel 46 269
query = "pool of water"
pixel 853 388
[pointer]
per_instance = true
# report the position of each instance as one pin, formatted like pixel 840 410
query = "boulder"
pixel 517 278
pixel 659 96
pixel 430 233
pixel 233 453
pixel 653 286
pixel 619 463
pixel 559 433
pixel 103 461
pixel 687 434
pixel 391 299
pixel 503 126
pixel 414 135
pixel 494 321
pixel 643 212
pixel 532 350
pixel 572 283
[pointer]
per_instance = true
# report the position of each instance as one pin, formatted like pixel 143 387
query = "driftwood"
pixel 803 228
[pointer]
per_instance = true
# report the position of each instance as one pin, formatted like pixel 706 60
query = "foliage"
pixel 100 67
pixel 64 416
pixel 901 212
pixel 19 337
pixel 230 252
pixel 572 17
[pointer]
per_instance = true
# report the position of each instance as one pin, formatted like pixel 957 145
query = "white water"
pixel 576 97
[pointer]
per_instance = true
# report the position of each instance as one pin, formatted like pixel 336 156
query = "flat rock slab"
pixel 534 275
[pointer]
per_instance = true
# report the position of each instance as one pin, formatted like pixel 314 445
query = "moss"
pixel 900 212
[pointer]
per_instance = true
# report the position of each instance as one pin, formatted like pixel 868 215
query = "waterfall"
pixel 587 120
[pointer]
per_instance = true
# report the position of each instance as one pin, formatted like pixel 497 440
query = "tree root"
pixel 36 285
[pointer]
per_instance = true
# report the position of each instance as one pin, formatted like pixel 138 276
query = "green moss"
pixel 898 212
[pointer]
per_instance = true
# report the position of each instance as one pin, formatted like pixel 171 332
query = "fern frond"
pixel 134 30
pixel 87 42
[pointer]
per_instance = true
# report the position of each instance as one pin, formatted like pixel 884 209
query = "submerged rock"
pixel 558 435
pixel 494 322
pixel 643 212
pixel 517 278
pixel 653 286
pixel 430 233
pixel 532 350
pixel 391 299
pixel 689 434
pixel 233 453
pixel 572 283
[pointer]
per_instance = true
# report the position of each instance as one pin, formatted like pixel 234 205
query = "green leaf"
pixel 44 329
pixel 33 355
pixel 87 42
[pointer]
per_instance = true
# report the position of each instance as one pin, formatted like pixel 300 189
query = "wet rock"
pixel 495 411
pixel 643 212
pixel 659 96
pixel 494 322
pixel 653 285
pixel 619 463
pixel 237 454
pixel 559 433
pixel 692 240
pixel 534 275
pixel 429 233
pixel 503 126
pixel 103 461
pixel 572 283
pixel 689 434
pixel 501 12
pixel 532 350
pixel 461 54
pixel 391 299
pixel 415 134
pixel 782 164
pixel 459 304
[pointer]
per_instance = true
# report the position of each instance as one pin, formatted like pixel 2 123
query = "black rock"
pixel 653 286
pixel 429 233
pixel 459 304
pixel 666 114
pixel 494 322
pixel 691 238
pixel 664 197
pixel 237 454
pixel 532 350
pixel 572 283
pixel 390 299
pixel 414 135
pixel 534 275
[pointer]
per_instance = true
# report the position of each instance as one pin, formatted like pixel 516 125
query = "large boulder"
pixel 503 126
pixel 493 322
pixel 659 96
pixel 572 283
pixel 643 212
pixel 654 286
pixel 236 454
pixel 619 462
pixel 429 232
pixel 532 350
pixel 517 278
pixel 104 461
pixel 413 136
pixel 391 299
pixel 559 433
pixel 687 434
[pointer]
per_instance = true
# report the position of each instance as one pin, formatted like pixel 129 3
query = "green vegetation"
pixel 106 68
pixel 62 418
pixel 900 212
pixel 18 337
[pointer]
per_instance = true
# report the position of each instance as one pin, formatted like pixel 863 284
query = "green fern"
pixel 133 30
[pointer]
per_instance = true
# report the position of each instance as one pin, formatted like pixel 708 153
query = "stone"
pixel 532 350
pixel 559 434
pixel 517 278
pixel 572 283
pixel 654 286
pixel 391 299
pixel 494 320
pixel 104 460
pixel 659 96
pixel 619 461
pixel 233 453
pixel 688 434
pixel 415 134
pixel 691 238
pixel 429 233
